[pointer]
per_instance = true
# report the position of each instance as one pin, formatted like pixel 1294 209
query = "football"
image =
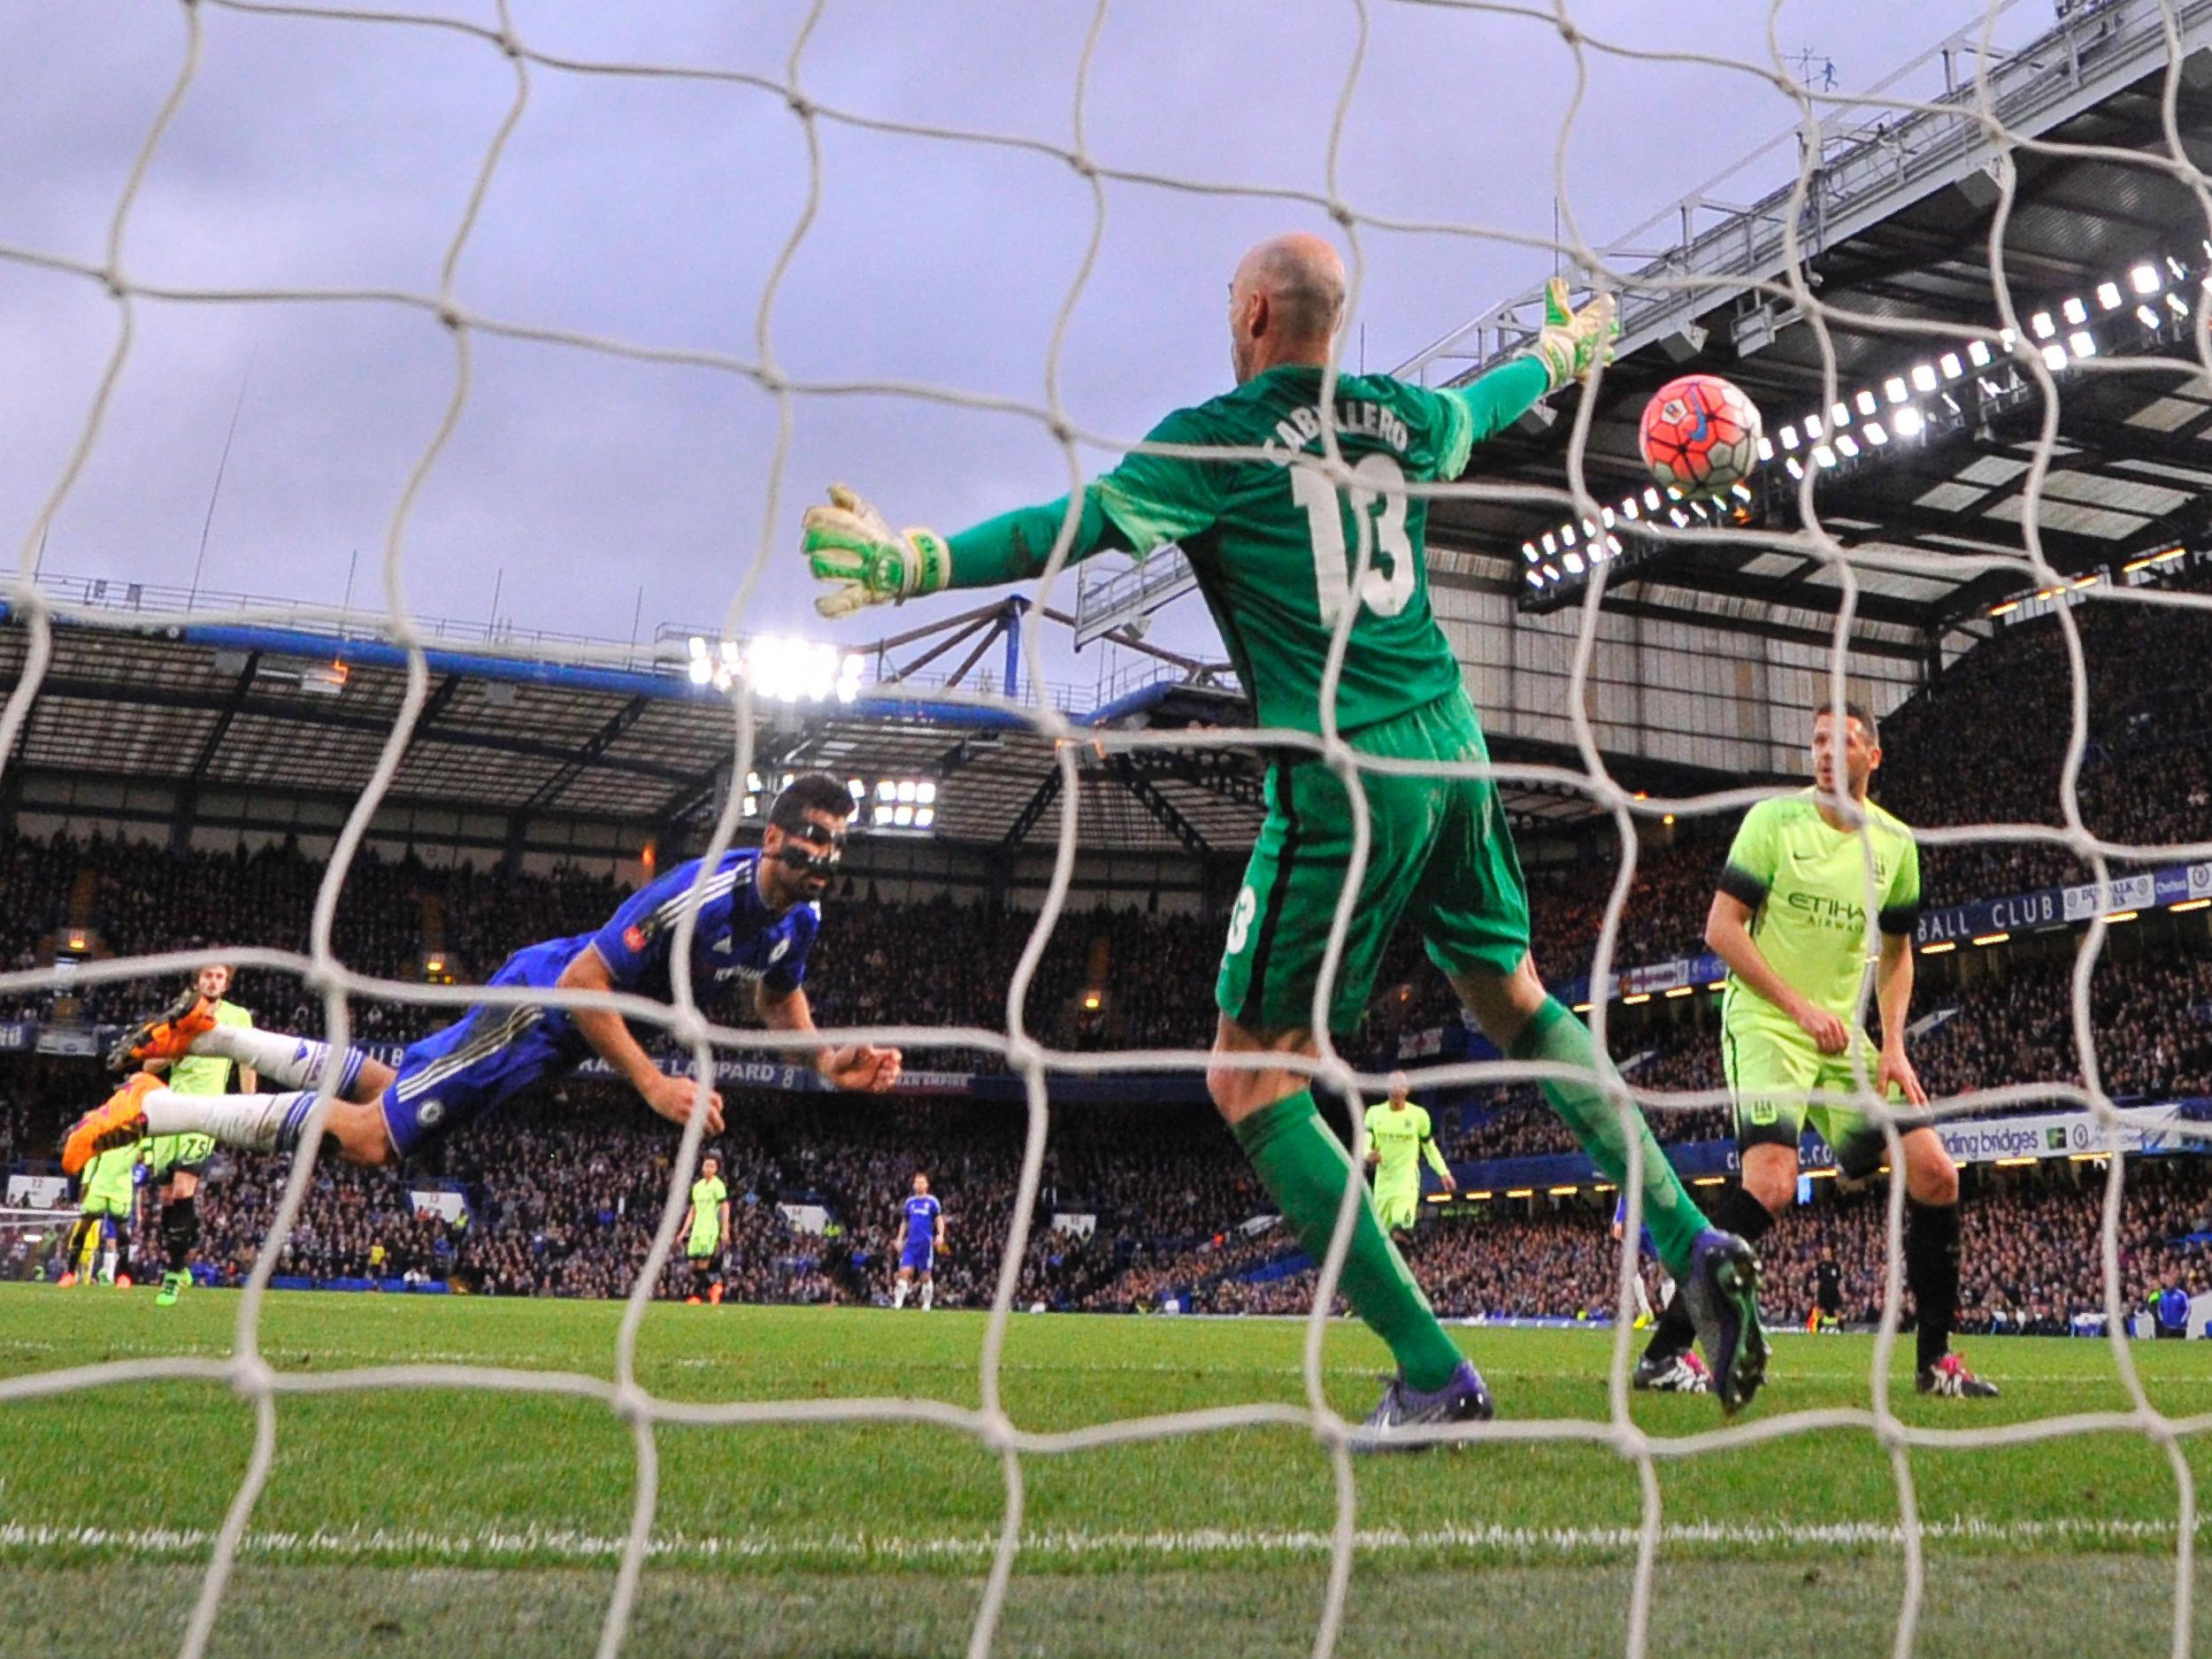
pixel 1699 435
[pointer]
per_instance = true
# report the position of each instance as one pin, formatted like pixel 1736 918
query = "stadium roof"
pixel 2104 256
pixel 151 685
pixel 213 691
pixel 1896 223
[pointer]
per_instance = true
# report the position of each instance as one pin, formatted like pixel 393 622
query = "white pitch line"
pixel 328 1354
pixel 495 1546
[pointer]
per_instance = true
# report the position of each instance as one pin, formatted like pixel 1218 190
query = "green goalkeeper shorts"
pixel 165 1155
pixel 1766 1067
pixel 1440 854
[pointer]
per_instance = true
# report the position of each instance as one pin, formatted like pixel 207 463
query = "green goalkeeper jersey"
pixel 208 1073
pixel 1274 545
pixel 1402 1139
pixel 1806 884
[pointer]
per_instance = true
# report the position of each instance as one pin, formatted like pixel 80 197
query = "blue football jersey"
pixel 921 1218
pixel 1643 1239
pixel 738 937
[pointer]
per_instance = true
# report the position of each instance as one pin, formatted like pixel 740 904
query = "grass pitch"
pixel 443 1521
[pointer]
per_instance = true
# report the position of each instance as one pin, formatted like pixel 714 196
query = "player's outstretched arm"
pixel 1570 347
pixel 1164 492
pixel 850 545
pixel 862 1066
pixel 609 1035
pixel 1573 342
pixel 1435 1157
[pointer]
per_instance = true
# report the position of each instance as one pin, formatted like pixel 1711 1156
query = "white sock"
pixel 257 1123
pixel 898 1295
pixel 929 1287
pixel 107 1265
pixel 1643 1298
pixel 288 1062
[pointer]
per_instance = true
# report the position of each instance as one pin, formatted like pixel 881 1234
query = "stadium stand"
pixel 562 1193
pixel 564 1197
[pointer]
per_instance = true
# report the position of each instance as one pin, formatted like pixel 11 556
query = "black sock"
pixel 85 1227
pixel 1737 1212
pixel 1932 1273
pixel 180 1230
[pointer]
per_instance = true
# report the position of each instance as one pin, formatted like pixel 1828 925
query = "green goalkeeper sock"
pixel 1553 1033
pixel 1304 1169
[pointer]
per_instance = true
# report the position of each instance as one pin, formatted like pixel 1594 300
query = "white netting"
pixel 1974 119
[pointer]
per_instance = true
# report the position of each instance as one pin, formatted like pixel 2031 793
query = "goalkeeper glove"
pixel 849 543
pixel 1572 342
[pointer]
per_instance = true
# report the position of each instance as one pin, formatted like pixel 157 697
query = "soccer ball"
pixel 1699 435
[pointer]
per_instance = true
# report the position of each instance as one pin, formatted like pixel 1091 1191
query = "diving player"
pixel 758 913
pixel 174 1161
pixel 1285 551
pixel 1790 922
pixel 924 1219
pixel 1398 1142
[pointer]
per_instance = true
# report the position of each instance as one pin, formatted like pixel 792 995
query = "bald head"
pixel 1285 302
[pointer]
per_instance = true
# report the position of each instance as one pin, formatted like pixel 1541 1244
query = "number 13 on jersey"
pixel 1373 507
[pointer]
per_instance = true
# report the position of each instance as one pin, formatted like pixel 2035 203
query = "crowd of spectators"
pixel 1138 1207
pixel 1984 742
pixel 2150 1018
pixel 563 1193
pixel 1152 973
pixel 2030 1260
pixel 131 898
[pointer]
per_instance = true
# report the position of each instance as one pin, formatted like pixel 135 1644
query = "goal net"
pixel 1973 116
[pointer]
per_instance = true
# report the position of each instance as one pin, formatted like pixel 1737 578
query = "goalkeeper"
pixel 1281 553
pixel 1399 1142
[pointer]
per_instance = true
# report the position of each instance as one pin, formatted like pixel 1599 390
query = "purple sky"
pixel 317 154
